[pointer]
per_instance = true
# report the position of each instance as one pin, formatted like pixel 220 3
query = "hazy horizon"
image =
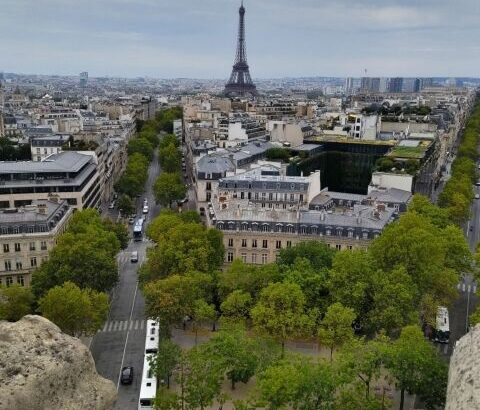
pixel 197 40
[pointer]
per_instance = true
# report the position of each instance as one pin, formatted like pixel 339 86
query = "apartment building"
pixel 70 175
pixel 261 211
pixel 27 235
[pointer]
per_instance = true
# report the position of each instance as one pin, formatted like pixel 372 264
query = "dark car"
pixel 127 375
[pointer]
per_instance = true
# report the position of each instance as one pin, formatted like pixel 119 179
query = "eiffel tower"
pixel 240 82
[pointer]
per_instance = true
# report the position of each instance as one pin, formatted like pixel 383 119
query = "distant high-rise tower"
pixel 240 82
pixel 396 85
pixel 83 79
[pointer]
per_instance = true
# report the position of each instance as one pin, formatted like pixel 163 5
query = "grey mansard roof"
pixel 214 164
pixel 68 161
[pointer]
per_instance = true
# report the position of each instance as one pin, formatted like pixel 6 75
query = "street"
pixel 121 341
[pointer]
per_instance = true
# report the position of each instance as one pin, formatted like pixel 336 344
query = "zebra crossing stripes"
pixel 122 325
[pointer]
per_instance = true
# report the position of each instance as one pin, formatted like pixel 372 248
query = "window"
pixel 32 246
pixel 265 228
pixel 292 197
pixel 209 186
pixel 254 243
pixel 338 247
pixel 9 280
pixel 301 197
pixel 230 242
pixel 254 258
pixel 8 265
pixel 230 257
pixel 242 195
pixel 278 244
pixel 365 235
pixel 6 248
pixel 350 247
pixel 265 244
pixel 244 257
pixel 38 150
pixel 43 245
pixel 17 247
pixel 270 196
pixel 21 280
pixel 350 234
pixel 328 232
pixel 19 265
pixel 289 244
pixel 33 262
pixel 209 196
pixel 244 243
pixel 256 196
pixel 264 258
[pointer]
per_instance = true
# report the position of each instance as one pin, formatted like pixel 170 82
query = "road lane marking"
pixel 131 325
pixel 126 338
pixel 115 325
pixel 141 325
pixel 110 326
pixel 136 324
pixel 105 327
pixel 463 287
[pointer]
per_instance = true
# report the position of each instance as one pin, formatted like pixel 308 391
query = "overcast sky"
pixel 197 38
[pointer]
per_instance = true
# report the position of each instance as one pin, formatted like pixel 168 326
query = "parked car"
pixel 145 202
pixel 134 257
pixel 131 220
pixel 145 209
pixel 477 196
pixel 127 375
pixel 112 205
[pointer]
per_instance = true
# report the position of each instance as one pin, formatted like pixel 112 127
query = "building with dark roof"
pixel 70 175
pixel 27 235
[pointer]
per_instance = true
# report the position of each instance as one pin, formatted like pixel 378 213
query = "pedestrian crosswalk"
pixel 122 325
pixel 464 288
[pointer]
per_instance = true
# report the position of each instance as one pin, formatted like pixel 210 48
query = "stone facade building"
pixel 27 235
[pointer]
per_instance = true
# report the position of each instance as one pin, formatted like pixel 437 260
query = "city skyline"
pixel 131 38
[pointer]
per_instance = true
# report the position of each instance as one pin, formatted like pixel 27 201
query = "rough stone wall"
pixel 463 391
pixel 42 368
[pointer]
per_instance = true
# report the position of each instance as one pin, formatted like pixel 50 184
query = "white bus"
pixel 441 333
pixel 138 230
pixel 148 389
pixel 152 338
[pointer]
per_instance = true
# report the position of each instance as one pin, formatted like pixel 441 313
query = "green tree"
pixel 169 187
pixel 166 400
pixel 279 385
pixel 169 300
pixel 169 139
pixel 282 154
pixel 202 312
pixel 280 312
pixel 187 248
pixel 236 307
pixel 393 302
pixel 417 245
pixel 364 359
pixel 76 311
pixel 247 278
pixel 126 205
pixel 15 302
pixel 415 365
pixel 352 280
pixel 203 381
pixel 314 283
pixel 120 230
pixel 237 354
pixel 140 146
pixel 164 362
pixel 318 254
pixel 170 158
pixel 336 327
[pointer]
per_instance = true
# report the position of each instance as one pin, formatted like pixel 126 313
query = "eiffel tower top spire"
pixel 240 82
